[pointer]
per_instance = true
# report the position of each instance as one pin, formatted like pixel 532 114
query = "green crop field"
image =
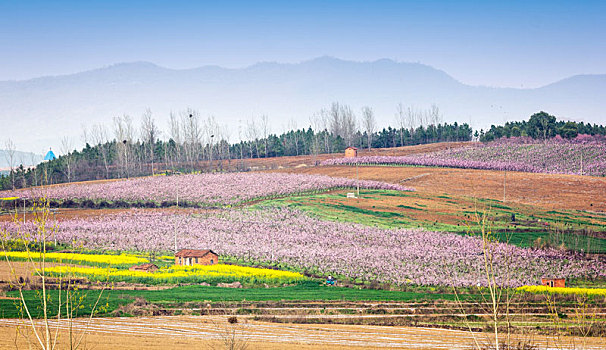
pixel 518 224
pixel 312 291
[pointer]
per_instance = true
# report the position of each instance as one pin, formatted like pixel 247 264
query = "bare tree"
pixel 435 117
pixel 422 117
pixel 240 138
pixel 292 125
pixel 66 149
pixel 411 119
pixel 149 135
pixel 335 119
pixel 123 131
pixel 342 122
pixel 370 124
pixel 252 133
pixel 211 134
pixel 324 122
pixel 192 132
pixel 175 135
pixel 225 135
pixel 222 134
pixel 316 124
pixel 9 155
pixel 349 125
pixel 401 121
pixel 34 162
pixel 99 137
pixel 265 130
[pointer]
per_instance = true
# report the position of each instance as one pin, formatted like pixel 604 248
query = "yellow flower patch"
pixel 122 259
pixel 560 290
pixel 180 274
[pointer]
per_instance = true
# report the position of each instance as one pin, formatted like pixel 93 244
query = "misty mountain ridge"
pixel 36 113
pixel 25 158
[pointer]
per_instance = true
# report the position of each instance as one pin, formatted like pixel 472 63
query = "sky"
pixel 521 44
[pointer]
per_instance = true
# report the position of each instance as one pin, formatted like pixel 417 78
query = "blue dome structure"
pixel 50 155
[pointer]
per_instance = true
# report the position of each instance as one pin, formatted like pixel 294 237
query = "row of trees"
pixel 542 126
pixel 193 143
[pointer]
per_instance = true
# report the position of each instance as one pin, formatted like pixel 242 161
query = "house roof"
pixel 50 155
pixel 193 253
pixel 351 148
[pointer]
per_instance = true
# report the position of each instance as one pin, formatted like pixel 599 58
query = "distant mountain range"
pixel 25 158
pixel 36 113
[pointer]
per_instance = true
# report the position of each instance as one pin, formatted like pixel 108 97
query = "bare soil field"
pixel 74 213
pixel 309 160
pixel 551 191
pixel 18 269
pixel 213 331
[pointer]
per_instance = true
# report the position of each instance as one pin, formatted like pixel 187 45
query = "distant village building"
pixel 144 267
pixel 553 282
pixel 351 152
pixel 189 257
pixel 50 155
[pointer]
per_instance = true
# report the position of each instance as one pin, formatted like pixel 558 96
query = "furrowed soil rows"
pixel 551 191
pixel 206 331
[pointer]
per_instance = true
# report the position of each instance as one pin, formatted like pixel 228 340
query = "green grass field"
pixel 576 230
pixel 111 299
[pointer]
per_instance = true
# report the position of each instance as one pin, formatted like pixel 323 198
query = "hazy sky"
pixel 501 43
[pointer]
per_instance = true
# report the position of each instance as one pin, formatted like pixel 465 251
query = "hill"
pixel 25 158
pixel 38 112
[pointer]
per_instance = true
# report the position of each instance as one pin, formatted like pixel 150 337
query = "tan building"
pixel 189 257
pixel 351 152
pixel 553 282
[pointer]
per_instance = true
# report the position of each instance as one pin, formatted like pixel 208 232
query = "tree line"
pixel 542 126
pixel 192 143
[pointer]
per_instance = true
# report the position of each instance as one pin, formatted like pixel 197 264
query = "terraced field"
pixel 565 212
pixel 549 191
pixel 161 332
pixel 515 223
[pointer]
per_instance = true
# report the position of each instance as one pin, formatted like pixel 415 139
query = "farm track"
pixel 525 317
pixel 206 331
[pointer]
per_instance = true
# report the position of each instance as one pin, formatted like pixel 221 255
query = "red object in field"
pixel 351 152
pixel 553 282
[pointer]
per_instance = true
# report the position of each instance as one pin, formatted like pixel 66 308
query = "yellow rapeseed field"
pixel 180 274
pixel 560 290
pixel 123 259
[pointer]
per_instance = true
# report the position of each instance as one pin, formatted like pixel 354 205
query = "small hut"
pixel 144 267
pixel 351 152
pixel 553 282
pixel 189 257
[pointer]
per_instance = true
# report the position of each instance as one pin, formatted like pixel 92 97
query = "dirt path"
pixel 206 331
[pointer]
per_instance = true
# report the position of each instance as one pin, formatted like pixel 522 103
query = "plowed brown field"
pixel 307 160
pixel 551 191
pixel 207 332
